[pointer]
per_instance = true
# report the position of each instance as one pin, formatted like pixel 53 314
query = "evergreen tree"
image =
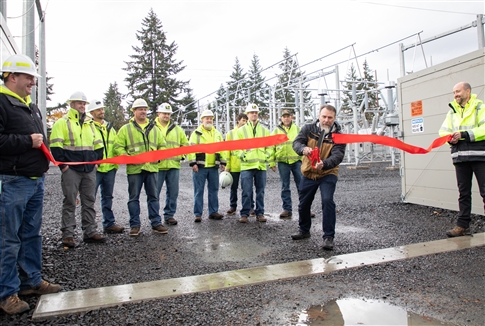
pixel 114 111
pixel 152 71
pixel 258 89
pixel 235 93
pixel 290 81
pixel 364 84
pixel 187 110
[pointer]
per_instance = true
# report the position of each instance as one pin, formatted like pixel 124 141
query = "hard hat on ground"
pixel 20 63
pixel 251 107
pixel 94 105
pixel 225 179
pixel 78 96
pixel 139 103
pixel 164 108
pixel 206 113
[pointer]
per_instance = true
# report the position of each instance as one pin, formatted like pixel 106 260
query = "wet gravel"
pixel 448 286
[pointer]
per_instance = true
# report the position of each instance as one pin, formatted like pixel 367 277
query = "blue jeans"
pixel 247 177
pixel 21 202
pixel 234 186
pixel 171 178
pixel 199 178
pixel 135 182
pixel 285 171
pixel 308 188
pixel 107 182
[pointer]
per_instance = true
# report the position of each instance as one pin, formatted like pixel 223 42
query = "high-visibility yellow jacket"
pixel 108 135
pixel 133 139
pixel 74 139
pixel 255 158
pixel 233 162
pixel 470 121
pixel 203 136
pixel 174 138
pixel 284 152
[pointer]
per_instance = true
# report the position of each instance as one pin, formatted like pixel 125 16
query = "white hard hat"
pixel 251 107
pixel 225 179
pixel 20 63
pixel 206 113
pixel 78 96
pixel 94 105
pixel 164 108
pixel 139 103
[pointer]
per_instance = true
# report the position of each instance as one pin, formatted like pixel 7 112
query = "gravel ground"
pixel 448 287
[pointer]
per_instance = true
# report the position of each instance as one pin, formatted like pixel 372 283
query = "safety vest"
pixel 77 140
pixel 174 138
pixel 284 152
pixel 471 119
pixel 233 162
pixel 133 139
pixel 108 135
pixel 255 158
pixel 203 136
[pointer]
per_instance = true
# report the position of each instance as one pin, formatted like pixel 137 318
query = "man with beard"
pixel 465 122
pixel 205 167
pixel 322 174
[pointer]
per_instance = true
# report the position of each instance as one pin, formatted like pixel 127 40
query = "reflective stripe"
pixel 71 140
pixel 467 153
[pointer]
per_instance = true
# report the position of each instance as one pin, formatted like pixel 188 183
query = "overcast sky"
pixel 89 41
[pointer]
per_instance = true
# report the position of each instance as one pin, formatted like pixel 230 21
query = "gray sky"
pixel 89 41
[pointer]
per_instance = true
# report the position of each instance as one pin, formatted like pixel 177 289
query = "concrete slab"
pixel 91 299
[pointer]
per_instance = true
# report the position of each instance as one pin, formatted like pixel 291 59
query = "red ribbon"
pixel 153 156
pixel 389 141
pixel 315 157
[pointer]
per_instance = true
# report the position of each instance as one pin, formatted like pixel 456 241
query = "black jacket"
pixel 17 122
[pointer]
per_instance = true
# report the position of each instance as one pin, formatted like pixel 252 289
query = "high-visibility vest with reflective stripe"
pixel 233 162
pixel 203 136
pixel 255 158
pixel 77 141
pixel 471 119
pixel 174 138
pixel 132 140
pixel 108 135
pixel 284 152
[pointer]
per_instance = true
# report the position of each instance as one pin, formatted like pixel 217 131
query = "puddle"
pixel 360 312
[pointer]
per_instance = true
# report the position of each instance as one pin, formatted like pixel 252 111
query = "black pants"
pixel 464 175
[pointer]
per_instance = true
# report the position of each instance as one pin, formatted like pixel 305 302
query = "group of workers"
pixel 82 135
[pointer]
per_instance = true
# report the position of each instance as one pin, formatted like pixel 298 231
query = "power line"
pixel 416 8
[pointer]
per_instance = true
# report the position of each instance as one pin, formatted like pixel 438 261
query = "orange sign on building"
pixel 416 108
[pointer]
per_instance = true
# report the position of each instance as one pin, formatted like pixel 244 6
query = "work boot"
pixel 115 228
pixel 286 214
pixel 457 231
pixel 261 218
pixel 243 219
pixel 231 211
pixel 96 238
pixel 327 243
pixel 13 305
pixel 160 229
pixel 135 231
pixel 43 288
pixel 300 235
pixel 216 216
pixel 171 221
pixel 68 242
pixel 198 219
pixel 312 215
pixel 252 213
